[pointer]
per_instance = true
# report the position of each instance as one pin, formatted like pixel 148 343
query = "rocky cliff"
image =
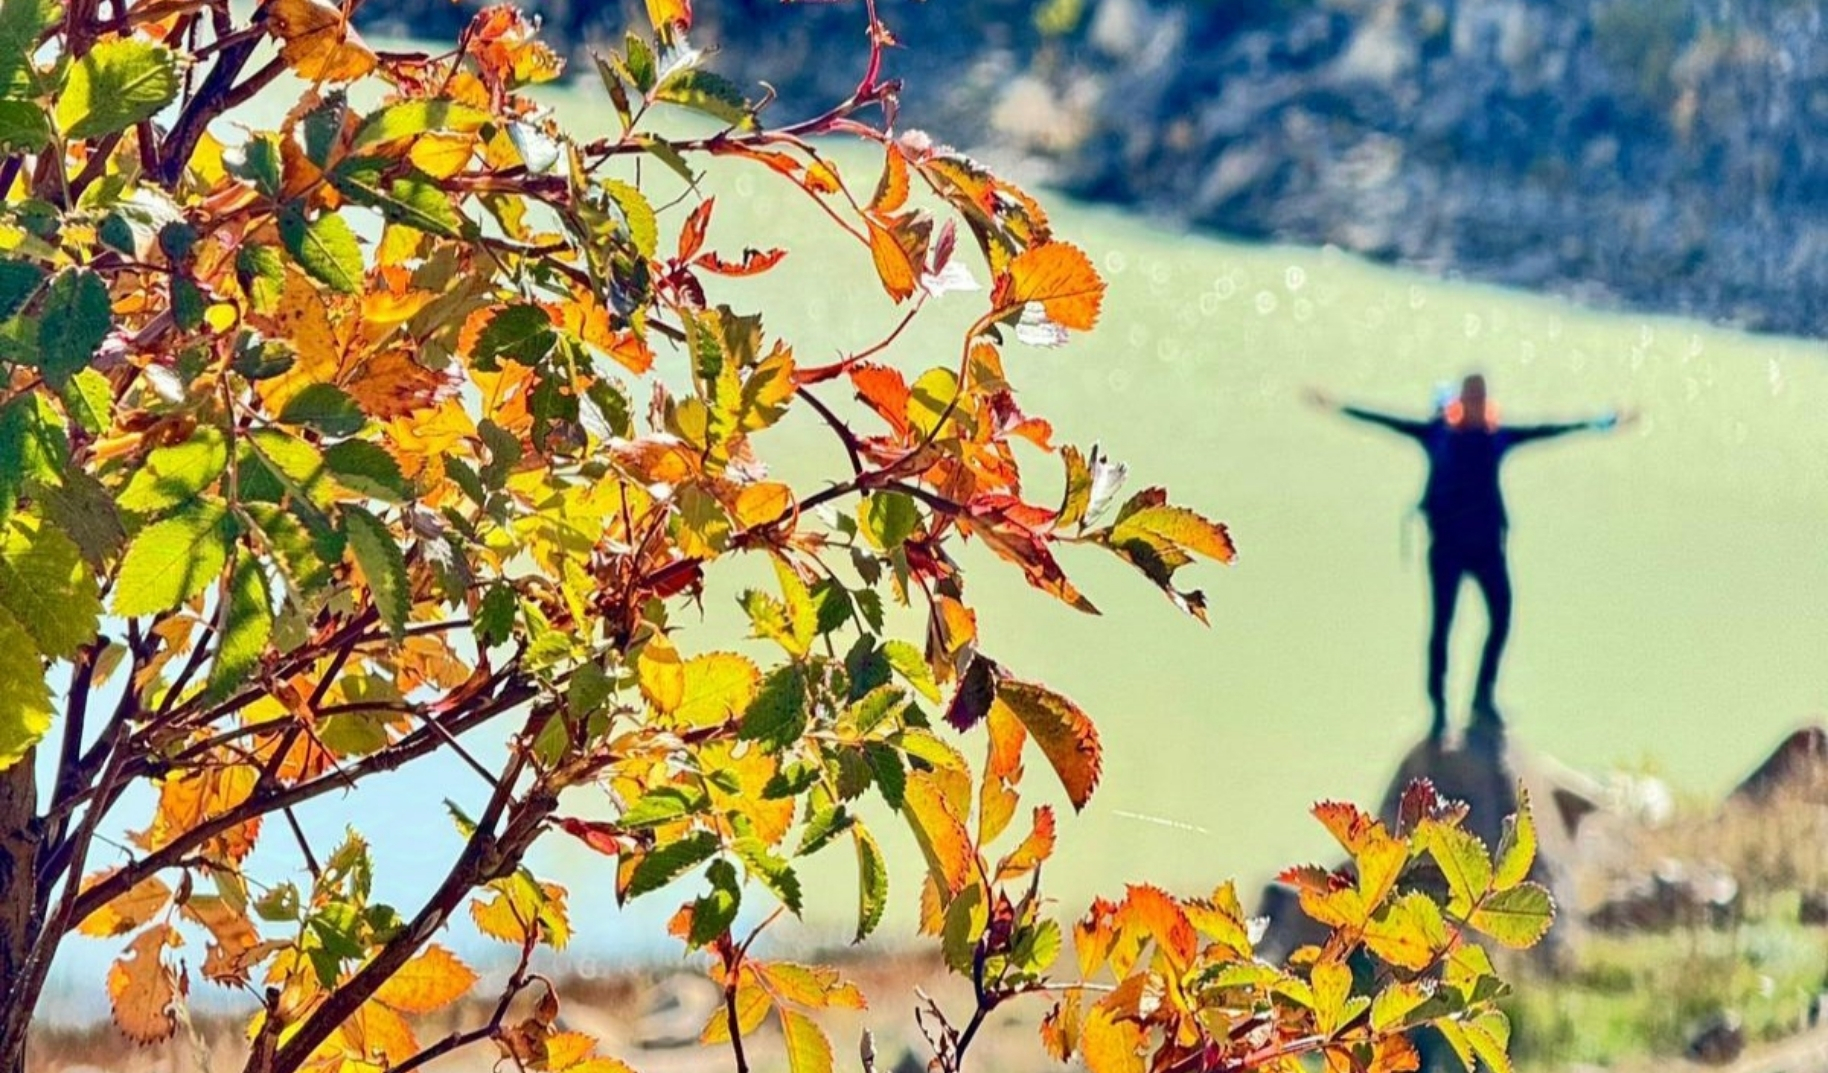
pixel 1666 155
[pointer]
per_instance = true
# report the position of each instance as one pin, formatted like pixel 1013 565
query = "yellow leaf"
pixel 1058 275
pixel 128 911
pixel 432 980
pixel 442 155
pixel 717 686
pixel 1111 1045
pixel 143 989
pixel 808 1051
pixel 752 1006
pixel 661 674
pixel 759 504
pixel 318 42
pixel 668 15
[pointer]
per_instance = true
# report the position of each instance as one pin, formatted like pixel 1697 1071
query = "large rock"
pixel 1797 769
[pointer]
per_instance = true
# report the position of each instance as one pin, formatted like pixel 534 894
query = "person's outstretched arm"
pixel 1407 426
pixel 1604 423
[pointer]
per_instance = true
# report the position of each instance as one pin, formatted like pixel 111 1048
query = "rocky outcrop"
pixel 1663 154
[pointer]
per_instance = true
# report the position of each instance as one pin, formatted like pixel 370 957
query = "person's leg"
pixel 1494 577
pixel 1444 570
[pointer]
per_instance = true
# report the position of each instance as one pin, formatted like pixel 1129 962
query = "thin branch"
pixel 303 845
pixel 845 435
pixel 517 983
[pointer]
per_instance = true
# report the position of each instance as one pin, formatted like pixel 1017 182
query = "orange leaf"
pixel 127 911
pixel 892 188
pixel 1158 914
pixel 428 982
pixel 1058 275
pixel 885 391
pixel 1036 848
pixel 143 989
pixel 318 42
pixel 893 266
pixel 942 837
pixel 754 262
pixel 1064 733
pixel 692 235
pixel 234 945
pixel 1111 1045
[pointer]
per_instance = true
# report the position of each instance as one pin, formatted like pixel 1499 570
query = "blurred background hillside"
pixel 1666 155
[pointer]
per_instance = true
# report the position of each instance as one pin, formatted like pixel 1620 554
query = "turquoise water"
pixel 1672 586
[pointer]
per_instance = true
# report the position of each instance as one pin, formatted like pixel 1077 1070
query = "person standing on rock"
pixel 1464 508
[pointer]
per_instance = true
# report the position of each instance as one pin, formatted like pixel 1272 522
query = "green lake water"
pixel 1672 585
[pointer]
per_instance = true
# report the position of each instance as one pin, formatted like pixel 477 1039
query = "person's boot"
pixel 1437 726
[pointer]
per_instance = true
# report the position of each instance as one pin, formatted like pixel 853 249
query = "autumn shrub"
pixel 403 428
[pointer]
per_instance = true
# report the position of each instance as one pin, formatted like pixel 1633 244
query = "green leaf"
pixel 177 473
pixel 18 279
pixel 872 882
pixel 891 777
pixel 643 226
pixel 664 804
pixel 89 400
pixel 322 126
pixel 84 511
pixel 825 825
pixel 383 565
pixel 325 407
pixel 773 872
pixel 521 332
pixel 22 23
pixel 413 199
pixel 407 118
pixel 714 911
pixel 305 556
pixel 325 247
pixel 187 304
pixel 1462 860
pixel 888 519
pixel 47 587
pixel 665 863
pixel 869 710
pixel 639 62
pixel 368 469
pixel 1518 917
pixel 908 662
pixel 23 126
pixel 173 560
pixel 709 94
pixel 777 715
pixel 966 918
pixel 261 272
pixel 1516 846
pixel 117 83
pixel 247 626
pixel 495 615
pixel 25 693
pixel 76 317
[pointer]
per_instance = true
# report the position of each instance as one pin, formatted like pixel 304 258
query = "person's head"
pixel 1474 409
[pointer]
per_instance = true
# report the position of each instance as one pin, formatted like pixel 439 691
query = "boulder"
pixel 1719 1041
pixel 1799 766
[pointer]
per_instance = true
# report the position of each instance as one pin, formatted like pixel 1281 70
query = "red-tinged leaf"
pixel 883 390
pixel 1064 733
pixel 951 858
pixel 1161 917
pixel 1010 528
pixel 602 837
pixel 754 262
pixel 975 695
pixel 1061 1027
pixel 692 235
pixel 143 989
pixel 892 189
pixel 1036 848
pixel 669 15
pixel 1059 276
pixel 1347 823
pixel 894 268
pixel 1421 801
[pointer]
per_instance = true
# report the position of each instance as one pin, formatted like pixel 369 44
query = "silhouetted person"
pixel 1466 523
